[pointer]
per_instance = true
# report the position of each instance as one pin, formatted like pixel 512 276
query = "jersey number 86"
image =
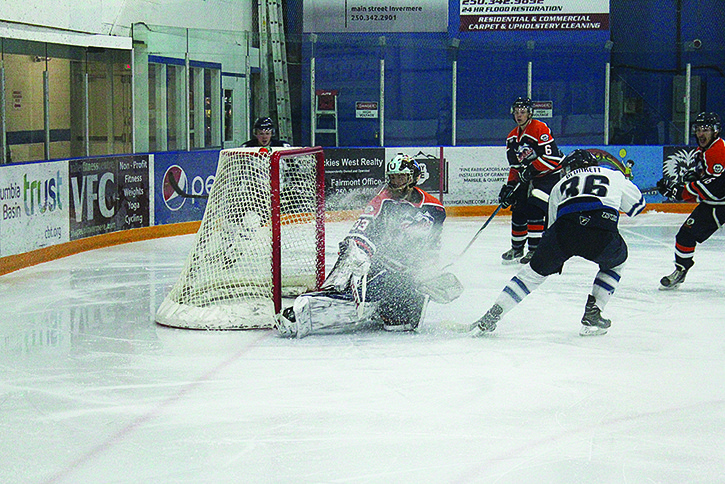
pixel 593 185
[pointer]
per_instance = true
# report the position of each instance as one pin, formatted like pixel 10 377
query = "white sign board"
pixel 475 174
pixel 543 109
pixel 533 15
pixel 34 206
pixel 366 109
pixel 338 16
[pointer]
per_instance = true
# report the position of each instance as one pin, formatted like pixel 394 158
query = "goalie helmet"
pixel 707 120
pixel 264 124
pixel 402 164
pixel 578 159
pixel 525 103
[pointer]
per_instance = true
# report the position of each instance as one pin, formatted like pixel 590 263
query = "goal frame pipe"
pixel 276 218
pixel 320 216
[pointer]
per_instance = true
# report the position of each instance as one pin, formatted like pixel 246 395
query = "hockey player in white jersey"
pixel 584 211
pixel 386 270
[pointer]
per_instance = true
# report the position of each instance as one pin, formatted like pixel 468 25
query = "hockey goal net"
pixel 261 237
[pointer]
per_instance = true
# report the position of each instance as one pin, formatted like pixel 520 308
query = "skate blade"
pixel 591 331
pixel 455 327
pixel 476 332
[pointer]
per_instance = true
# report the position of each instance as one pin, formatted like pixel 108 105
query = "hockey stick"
pixel 485 224
pixel 175 185
pixel 651 190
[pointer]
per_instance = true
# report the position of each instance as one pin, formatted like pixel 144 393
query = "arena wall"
pixel 58 208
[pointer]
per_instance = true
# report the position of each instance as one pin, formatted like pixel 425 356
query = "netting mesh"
pixel 227 280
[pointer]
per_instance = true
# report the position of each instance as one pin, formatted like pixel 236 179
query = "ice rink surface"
pixel 93 391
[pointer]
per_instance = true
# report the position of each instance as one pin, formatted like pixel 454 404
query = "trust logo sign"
pixel 40 196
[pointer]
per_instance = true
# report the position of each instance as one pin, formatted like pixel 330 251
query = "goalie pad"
pixel 350 269
pixel 328 311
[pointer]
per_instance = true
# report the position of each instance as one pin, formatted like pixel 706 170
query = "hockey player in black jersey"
pixel 583 215
pixel 533 159
pixel 386 269
pixel 264 136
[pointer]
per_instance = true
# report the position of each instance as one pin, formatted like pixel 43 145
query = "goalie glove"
pixel 442 288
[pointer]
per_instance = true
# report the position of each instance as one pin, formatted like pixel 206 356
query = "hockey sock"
pixel 536 230
pixel 605 283
pixel 519 229
pixel 684 255
pixel 523 283
pixel 685 248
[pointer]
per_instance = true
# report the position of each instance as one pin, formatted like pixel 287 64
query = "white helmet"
pixel 403 164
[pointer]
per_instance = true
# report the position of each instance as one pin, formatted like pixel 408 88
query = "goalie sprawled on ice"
pixel 386 270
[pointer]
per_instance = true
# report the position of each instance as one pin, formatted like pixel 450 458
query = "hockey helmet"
pixel 578 159
pixel 402 164
pixel 705 120
pixel 264 124
pixel 523 102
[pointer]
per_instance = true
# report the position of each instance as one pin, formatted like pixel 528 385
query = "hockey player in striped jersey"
pixel 584 211
pixel 382 276
pixel 533 159
pixel 705 185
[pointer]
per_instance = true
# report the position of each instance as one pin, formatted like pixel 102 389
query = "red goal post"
pixel 276 218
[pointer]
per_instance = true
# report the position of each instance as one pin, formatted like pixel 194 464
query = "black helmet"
pixel 704 120
pixel 578 159
pixel 523 102
pixel 264 123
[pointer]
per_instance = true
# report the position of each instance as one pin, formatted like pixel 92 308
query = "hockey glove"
pixel 528 174
pixel 506 195
pixel 670 189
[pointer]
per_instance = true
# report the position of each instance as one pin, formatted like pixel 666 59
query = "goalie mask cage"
pixel 262 236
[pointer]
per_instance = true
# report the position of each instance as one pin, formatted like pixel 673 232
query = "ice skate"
pixel 512 255
pixel 487 324
pixel 674 279
pixel 593 324
pixel 287 323
pixel 527 258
